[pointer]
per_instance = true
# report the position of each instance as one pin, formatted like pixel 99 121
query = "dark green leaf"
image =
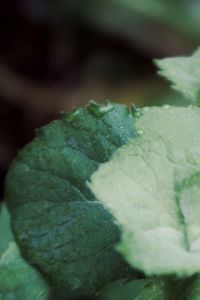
pixel 60 226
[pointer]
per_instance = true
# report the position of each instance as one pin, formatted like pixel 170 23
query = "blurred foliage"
pixel 173 13
pixel 125 13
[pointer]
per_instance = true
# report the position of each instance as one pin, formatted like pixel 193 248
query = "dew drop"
pixel 166 106
pixel 136 112
pixel 99 109
pixel 71 116
pixel 140 132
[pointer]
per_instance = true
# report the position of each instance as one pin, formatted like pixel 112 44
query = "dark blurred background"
pixel 56 55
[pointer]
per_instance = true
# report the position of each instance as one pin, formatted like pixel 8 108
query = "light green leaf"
pixel 18 280
pixel 152 187
pixel 184 73
pixel 60 226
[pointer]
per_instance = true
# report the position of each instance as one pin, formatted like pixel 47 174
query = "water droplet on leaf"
pixel 71 116
pixel 166 106
pixel 136 112
pixel 140 132
pixel 99 109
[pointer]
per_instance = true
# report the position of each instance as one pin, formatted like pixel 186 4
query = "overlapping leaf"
pixel 18 280
pixel 184 73
pixel 152 187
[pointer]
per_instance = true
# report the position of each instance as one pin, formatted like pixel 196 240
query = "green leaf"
pixel 161 289
pixel 60 226
pixel 192 288
pixel 184 73
pixel 6 235
pixel 152 187
pixel 157 288
pixel 18 280
pixel 120 290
